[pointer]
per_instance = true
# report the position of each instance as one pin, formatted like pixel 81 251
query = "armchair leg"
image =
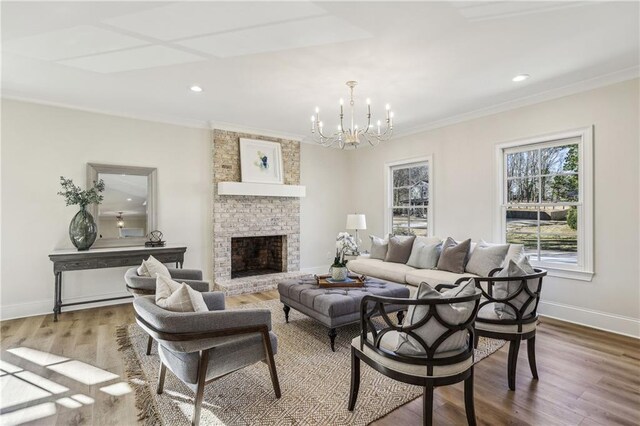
pixel 355 379
pixel 149 345
pixel 468 400
pixel 514 347
pixel 202 378
pixel 268 350
pixel 476 340
pixel 161 375
pixel 531 352
pixel 427 405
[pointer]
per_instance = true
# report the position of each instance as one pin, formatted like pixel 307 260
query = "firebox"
pixel 258 255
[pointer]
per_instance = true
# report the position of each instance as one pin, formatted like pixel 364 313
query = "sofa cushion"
pixel 504 289
pixel 399 249
pixel 379 247
pixel 379 269
pixel 423 255
pixel 486 258
pixel 151 267
pixel 176 297
pixel 454 256
pixel 434 277
pixel 432 330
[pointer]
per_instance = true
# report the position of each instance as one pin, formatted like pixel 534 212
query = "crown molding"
pixel 242 128
pixel 572 89
pixel 182 122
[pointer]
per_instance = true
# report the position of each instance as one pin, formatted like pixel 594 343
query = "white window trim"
pixel 388 192
pixel 584 270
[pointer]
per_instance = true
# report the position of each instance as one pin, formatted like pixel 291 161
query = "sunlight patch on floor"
pixel 84 399
pixel 8 367
pixel 117 389
pixel 41 382
pixel 16 391
pixel 36 356
pixel 28 414
pixel 69 403
pixel 82 372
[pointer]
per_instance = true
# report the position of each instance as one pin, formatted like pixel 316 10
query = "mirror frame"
pixel 93 170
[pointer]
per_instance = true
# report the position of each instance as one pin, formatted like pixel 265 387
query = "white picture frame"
pixel 261 161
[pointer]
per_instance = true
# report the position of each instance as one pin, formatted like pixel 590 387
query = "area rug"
pixel 314 381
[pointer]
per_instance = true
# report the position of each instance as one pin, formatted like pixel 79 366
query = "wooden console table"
pixel 73 260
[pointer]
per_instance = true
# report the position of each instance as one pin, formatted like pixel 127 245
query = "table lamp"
pixel 357 222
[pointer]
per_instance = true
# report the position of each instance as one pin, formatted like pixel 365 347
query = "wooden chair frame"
pixel 373 306
pixel 203 360
pixel 514 338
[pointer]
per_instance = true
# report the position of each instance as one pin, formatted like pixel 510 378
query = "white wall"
pixel 41 143
pixel 465 199
pixel 323 213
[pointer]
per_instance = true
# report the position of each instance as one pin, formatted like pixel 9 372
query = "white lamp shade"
pixel 356 221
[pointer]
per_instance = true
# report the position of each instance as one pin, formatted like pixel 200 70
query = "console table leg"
pixel 286 310
pixel 332 335
pixel 57 297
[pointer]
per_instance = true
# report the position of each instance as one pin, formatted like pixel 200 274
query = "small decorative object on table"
pixel 352 280
pixel 344 243
pixel 155 239
pixel 82 229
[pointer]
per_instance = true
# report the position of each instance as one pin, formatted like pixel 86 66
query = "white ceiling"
pixel 266 65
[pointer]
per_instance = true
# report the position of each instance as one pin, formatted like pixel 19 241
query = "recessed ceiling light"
pixel 128 199
pixel 521 77
pixel 196 89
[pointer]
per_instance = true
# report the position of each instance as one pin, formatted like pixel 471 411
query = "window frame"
pixel 388 199
pixel 584 269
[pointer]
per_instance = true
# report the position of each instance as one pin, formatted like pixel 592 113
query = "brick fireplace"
pixel 236 217
pixel 258 255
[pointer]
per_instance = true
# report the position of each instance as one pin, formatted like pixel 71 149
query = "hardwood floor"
pixel 587 376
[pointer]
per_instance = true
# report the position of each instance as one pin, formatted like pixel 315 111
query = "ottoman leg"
pixel 286 310
pixel 400 316
pixel 332 335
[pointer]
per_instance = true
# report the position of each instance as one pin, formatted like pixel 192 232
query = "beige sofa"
pixel 410 276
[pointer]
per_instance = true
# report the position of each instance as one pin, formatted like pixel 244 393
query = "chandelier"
pixel 352 137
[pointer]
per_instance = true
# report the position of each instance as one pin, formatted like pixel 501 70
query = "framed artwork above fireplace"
pixel 260 161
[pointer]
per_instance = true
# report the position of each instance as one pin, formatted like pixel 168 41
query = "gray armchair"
pixel 200 347
pixel 147 285
pixel 140 286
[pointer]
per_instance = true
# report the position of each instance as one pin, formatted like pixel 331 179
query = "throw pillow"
pixel 399 248
pixel 452 313
pixel 515 252
pixel 504 289
pixel 486 258
pixel 454 256
pixel 378 248
pixel 423 255
pixel 176 297
pixel 151 267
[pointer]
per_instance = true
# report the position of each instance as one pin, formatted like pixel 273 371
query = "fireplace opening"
pixel 258 255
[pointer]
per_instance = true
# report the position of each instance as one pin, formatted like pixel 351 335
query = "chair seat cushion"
pixel 488 311
pixel 389 342
pixel 389 271
pixel 236 352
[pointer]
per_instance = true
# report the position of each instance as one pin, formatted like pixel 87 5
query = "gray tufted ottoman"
pixel 333 307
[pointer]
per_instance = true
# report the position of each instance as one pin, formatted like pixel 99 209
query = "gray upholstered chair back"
pixel 139 285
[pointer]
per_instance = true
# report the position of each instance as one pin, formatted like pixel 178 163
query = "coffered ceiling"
pixel 266 65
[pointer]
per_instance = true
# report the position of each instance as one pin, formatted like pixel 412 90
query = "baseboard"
pixel 45 307
pixel 613 323
pixel 315 270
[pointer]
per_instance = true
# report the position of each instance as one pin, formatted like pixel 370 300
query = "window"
pixel 546 202
pixel 409 205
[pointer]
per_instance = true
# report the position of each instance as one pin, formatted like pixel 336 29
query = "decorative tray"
pixel 352 281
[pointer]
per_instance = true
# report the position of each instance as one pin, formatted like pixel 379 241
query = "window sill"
pixel 572 274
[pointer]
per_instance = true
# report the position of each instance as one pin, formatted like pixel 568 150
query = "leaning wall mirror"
pixel 128 211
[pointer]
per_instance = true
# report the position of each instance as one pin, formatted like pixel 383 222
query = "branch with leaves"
pixel 74 195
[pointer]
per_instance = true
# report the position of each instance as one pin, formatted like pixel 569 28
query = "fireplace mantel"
pixel 261 189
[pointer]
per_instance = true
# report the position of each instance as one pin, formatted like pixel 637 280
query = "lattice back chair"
pixel 508 311
pixel 425 364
